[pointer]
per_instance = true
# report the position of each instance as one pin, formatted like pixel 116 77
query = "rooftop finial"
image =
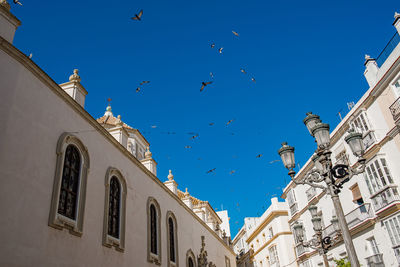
pixel 148 154
pixel 367 57
pixel 5 4
pixel 186 192
pixel 396 15
pixel 170 176
pixel 75 77
pixel 119 122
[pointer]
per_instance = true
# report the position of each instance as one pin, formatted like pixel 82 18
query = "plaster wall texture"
pixel 33 119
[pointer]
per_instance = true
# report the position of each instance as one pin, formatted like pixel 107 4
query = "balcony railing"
pixel 388 49
pixel 353 218
pixel 375 260
pixel 395 109
pixel 300 250
pixel 293 209
pixel 385 197
pixel 368 139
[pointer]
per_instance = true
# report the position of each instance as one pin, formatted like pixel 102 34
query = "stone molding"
pixel 153 258
pixel 171 215
pixel 190 254
pixel 57 220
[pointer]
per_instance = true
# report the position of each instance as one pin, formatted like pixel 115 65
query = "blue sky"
pixel 304 55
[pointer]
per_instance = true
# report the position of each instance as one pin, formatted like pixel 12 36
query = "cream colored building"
pixel 371 200
pixel 77 191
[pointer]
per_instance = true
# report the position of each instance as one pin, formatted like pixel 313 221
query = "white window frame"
pixel 151 257
pixel 171 215
pixel 396 87
pixel 377 174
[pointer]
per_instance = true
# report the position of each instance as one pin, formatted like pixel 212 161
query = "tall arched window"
pixel 70 183
pixel 69 189
pixel 114 210
pixel 172 240
pixel 153 231
pixel 190 259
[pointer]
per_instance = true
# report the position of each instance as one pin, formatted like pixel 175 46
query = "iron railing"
pixel 386 196
pixel 394 41
pixel 293 209
pixel 300 250
pixel 395 109
pixel 311 192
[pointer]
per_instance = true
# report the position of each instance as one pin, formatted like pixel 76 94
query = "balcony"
pixel 375 260
pixel 353 218
pixel 385 197
pixel 300 250
pixel 388 49
pixel 293 209
pixel 311 192
pixel 395 109
pixel 368 139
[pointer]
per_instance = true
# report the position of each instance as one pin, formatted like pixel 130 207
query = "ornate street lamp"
pixel 327 177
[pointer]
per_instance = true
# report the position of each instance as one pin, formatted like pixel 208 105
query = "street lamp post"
pixel 333 176
pixel 319 242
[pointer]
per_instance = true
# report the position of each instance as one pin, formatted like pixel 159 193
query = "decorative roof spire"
pixel 396 15
pixel 186 194
pixel 170 176
pixel 148 155
pixel 108 111
pixel 5 4
pixel 368 58
pixel 75 77
pixel 119 122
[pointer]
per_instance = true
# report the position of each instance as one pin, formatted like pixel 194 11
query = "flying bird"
pixel 153 126
pixel 273 161
pixel 220 50
pixel 138 16
pixel 144 82
pixel 188 147
pixel 243 71
pixel 212 45
pixel 138 90
pixel 204 84
pixel 229 122
pixel 232 172
pixel 235 33
pixel 210 171
pixel 211 124
pixel 253 80
pixel 259 156
pixel 17 2
pixel 212 75
pixel 194 136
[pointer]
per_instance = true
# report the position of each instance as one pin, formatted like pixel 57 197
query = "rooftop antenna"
pixel 340 114
pixel 350 105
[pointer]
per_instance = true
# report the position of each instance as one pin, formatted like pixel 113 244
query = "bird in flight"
pixel 212 75
pixel 154 126
pixel 211 124
pixel 212 45
pixel 253 80
pixel 243 71
pixel 273 161
pixel 204 84
pixel 229 122
pixel 232 172
pixel 194 136
pixel 220 50
pixel 259 156
pixel 210 171
pixel 138 90
pixel 188 147
pixel 235 33
pixel 144 82
pixel 138 16
pixel 17 2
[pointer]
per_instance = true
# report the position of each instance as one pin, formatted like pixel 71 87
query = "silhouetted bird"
pixel 17 2
pixel 243 71
pixel 138 16
pixel 220 50
pixel 144 82
pixel 235 33
pixel 229 122
pixel 210 171
pixel 204 84
pixel 253 80
pixel 259 156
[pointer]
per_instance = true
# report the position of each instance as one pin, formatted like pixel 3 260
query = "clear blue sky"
pixel 304 55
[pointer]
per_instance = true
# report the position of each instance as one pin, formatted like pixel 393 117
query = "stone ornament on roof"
pixel 148 154
pixel 119 122
pixel 5 4
pixel 108 111
pixel 75 77
pixel 170 176
pixel 396 15
pixel 368 58
pixel 186 194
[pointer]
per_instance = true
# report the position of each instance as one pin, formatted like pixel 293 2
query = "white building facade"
pixel 371 200
pixel 77 191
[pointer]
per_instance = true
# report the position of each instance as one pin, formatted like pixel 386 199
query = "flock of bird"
pixel 204 84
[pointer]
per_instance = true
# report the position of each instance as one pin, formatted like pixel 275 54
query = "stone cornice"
pixel 270 241
pixel 268 219
pixel 13 19
pixel 55 88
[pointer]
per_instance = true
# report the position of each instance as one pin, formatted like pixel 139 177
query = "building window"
pixel 69 188
pixel 291 197
pixel 273 256
pixel 190 259
pixel 114 210
pixel 227 262
pixel 172 239
pixel 396 88
pixel 360 124
pixel 392 226
pixel 377 175
pixel 153 231
pixel 307 263
pixel 270 233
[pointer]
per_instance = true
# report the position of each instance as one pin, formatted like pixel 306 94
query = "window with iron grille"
pixel 114 208
pixel 153 229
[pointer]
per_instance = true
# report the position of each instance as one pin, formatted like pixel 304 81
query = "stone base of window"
pixel 110 241
pixel 153 258
pixel 61 222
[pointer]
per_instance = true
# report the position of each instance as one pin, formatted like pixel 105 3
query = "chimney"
pixel 119 133
pixel 74 88
pixel 8 22
pixel 149 162
pixel 371 70
pixel 396 22
pixel 171 184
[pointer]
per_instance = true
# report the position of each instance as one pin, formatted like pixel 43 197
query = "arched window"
pixel 153 231
pixel 70 183
pixel 190 259
pixel 172 240
pixel 114 207
pixel 69 189
pixel 114 210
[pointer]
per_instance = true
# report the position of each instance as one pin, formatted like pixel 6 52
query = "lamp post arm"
pixel 311 180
